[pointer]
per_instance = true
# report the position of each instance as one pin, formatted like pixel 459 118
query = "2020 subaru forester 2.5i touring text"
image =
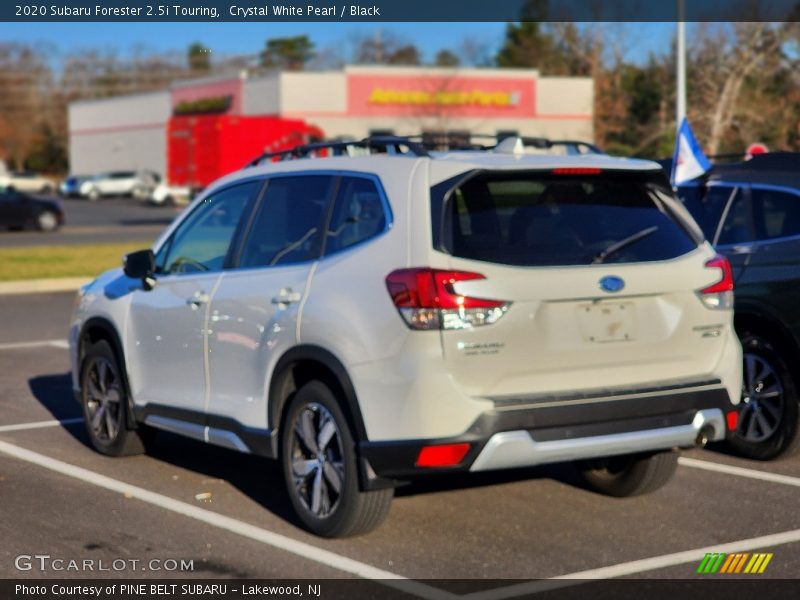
pixel 369 319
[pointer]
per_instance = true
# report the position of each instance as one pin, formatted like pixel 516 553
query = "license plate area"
pixel 604 322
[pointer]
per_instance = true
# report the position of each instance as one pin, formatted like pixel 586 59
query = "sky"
pixel 248 38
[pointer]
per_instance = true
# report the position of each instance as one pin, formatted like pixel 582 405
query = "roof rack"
pixel 420 144
pixel 396 145
pixel 471 141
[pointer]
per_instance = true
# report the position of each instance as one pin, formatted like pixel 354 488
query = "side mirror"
pixel 141 265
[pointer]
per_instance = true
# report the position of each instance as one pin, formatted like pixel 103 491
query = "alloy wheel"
pixel 317 460
pixel 47 221
pixel 103 400
pixel 762 400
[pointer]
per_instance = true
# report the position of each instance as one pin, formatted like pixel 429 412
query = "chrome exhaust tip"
pixel 706 433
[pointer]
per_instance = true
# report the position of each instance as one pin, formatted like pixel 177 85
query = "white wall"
pixel 124 111
pixel 262 96
pixel 565 96
pixel 122 150
pixel 119 133
pixel 313 92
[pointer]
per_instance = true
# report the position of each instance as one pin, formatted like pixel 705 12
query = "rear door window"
pixel 707 205
pixel 738 226
pixel 288 225
pixel 542 219
pixel 358 214
pixel 777 213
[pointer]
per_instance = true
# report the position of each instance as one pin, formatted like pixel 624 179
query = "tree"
pixel 736 72
pixel 404 55
pixel 199 57
pixel 446 58
pixel 384 48
pixel 289 53
pixel 48 152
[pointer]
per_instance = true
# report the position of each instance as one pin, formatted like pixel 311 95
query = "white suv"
pixel 370 319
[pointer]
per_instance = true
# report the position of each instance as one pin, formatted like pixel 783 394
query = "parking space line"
pixel 634 567
pixel 37 344
pixel 39 424
pixel 269 538
pixel 739 471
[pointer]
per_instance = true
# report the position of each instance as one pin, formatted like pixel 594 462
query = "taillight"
pixel 720 294
pixel 426 299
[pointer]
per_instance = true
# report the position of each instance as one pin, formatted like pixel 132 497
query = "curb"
pixel 39 286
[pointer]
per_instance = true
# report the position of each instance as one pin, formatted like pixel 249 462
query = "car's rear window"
pixel 543 219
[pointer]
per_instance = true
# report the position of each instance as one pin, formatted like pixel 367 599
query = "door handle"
pixel 197 300
pixel 286 297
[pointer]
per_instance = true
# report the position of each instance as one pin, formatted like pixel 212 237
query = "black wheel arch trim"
pixel 116 346
pixel 758 311
pixel 313 353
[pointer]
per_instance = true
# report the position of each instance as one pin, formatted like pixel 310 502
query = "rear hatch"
pixel 593 282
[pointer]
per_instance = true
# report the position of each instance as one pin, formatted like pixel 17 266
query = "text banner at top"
pixel 148 11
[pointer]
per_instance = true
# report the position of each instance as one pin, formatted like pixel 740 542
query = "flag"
pixel 689 161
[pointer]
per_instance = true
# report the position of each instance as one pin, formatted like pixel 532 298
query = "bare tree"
pixel 723 61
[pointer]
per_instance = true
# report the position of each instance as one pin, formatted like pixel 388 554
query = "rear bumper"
pixel 511 449
pixel 522 432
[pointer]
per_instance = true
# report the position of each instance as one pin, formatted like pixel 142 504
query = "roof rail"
pixel 456 140
pixel 396 145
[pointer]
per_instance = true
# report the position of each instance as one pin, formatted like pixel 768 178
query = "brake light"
pixel 443 455
pixel 719 295
pixel 426 299
pixel 577 171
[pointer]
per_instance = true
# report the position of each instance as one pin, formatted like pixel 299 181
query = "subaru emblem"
pixel 612 283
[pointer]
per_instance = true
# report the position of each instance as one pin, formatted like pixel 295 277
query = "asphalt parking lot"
pixel 107 220
pixel 228 514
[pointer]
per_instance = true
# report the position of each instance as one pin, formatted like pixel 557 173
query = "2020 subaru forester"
pixel 372 318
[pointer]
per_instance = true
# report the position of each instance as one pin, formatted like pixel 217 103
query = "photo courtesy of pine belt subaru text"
pixel 372 312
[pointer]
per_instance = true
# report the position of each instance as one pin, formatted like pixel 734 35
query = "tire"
pixel 768 413
pixel 102 386
pixel 47 221
pixel 93 195
pixel 311 476
pixel 630 475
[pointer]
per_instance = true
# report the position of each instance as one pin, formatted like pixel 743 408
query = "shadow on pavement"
pixel 565 473
pixel 54 392
pixel 259 478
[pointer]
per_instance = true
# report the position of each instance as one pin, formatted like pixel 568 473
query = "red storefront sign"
pixel 438 95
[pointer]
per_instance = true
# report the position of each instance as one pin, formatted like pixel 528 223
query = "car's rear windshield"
pixel 546 219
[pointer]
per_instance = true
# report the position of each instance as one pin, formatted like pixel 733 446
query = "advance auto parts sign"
pixel 416 95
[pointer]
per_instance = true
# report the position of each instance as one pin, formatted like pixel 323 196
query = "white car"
pixel 118 183
pixel 26 181
pixel 370 319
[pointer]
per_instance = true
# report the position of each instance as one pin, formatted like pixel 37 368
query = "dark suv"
pixel 751 212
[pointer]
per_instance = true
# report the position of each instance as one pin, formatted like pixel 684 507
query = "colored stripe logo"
pixel 740 562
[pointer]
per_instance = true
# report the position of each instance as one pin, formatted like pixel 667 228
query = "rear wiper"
pixel 617 246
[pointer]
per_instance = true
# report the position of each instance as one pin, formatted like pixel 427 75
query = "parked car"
pixel 370 319
pixel 751 212
pixel 27 181
pixel 169 195
pixel 119 183
pixel 21 211
pixel 71 185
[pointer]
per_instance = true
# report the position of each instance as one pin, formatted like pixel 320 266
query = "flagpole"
pixel 680 91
